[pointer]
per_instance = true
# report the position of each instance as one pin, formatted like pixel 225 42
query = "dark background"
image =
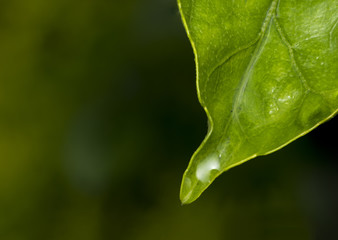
pixel 98 119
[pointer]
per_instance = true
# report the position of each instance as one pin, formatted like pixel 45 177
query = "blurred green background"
pixel 98 119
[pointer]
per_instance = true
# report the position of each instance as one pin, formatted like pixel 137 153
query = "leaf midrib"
pixel 247 73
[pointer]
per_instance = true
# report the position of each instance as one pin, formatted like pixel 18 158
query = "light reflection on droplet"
pixel 204 168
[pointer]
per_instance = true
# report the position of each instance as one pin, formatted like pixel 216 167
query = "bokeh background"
pixel 98 119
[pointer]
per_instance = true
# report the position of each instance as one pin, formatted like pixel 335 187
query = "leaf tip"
pixel 186 191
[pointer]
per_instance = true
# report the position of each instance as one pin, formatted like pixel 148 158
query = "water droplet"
pixel 322 63
pixel 205 167
pixel 317 58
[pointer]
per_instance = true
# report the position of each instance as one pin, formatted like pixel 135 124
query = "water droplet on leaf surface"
pixel 204 168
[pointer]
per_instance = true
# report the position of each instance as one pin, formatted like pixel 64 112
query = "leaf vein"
pixel 282 36
pixel 294 63
pixel 246 76
pixel 331 31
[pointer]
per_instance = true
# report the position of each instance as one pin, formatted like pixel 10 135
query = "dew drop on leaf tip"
pixel 203 170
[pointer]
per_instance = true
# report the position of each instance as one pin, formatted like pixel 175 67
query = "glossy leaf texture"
pixel 266 74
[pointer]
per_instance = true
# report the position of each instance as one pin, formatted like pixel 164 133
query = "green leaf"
pixel 266 75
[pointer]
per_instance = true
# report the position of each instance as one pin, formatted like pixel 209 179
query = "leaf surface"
pixel 266 74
